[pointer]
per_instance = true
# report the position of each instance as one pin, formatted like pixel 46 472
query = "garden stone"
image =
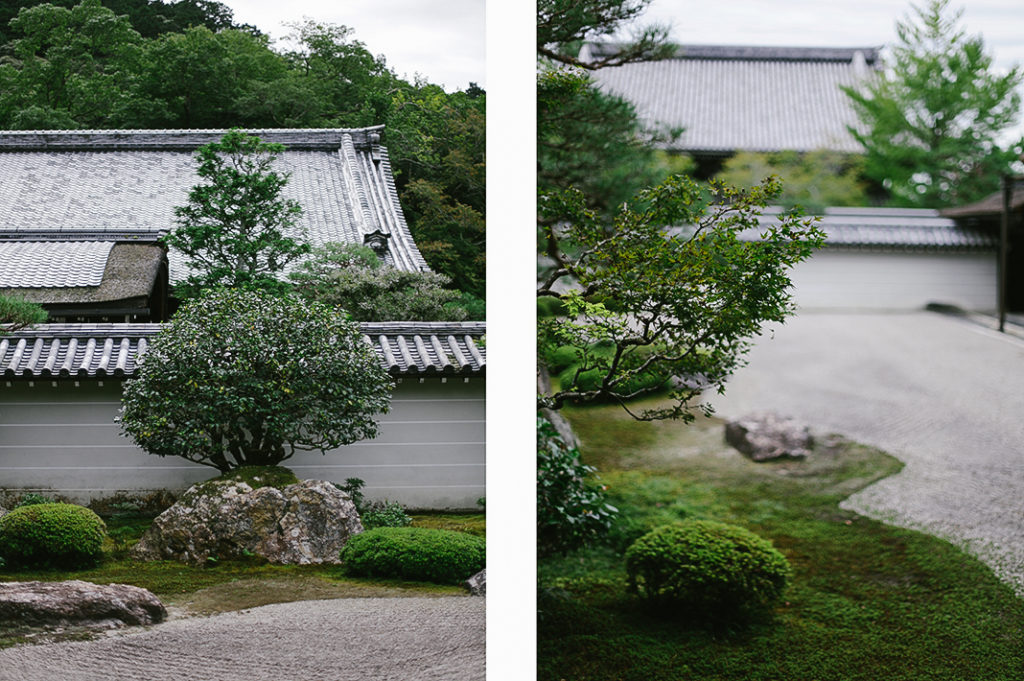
pixel 303 523
pixel 767 436
pixel 3 511
pixel 77 603
pixel 477 584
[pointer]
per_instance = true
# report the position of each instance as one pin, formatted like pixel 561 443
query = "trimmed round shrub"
pixel 414 553
pixel 51 535
pixel 707 566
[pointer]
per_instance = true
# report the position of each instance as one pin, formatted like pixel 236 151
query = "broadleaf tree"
pixel 668 295
pixel 638 307
pixel 353 278
pixel 241 378
pixel 237 229
pixel 931 120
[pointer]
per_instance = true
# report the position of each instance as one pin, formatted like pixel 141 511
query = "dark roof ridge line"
pixel 758 52
pixel 181 139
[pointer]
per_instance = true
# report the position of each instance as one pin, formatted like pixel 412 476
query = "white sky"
pixel 442 40
pixel 831 23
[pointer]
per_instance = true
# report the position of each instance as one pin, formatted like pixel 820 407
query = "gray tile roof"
pixel 53 264
pixel 733 98
pixel 892 229
pixel 51 351
pixel 113 184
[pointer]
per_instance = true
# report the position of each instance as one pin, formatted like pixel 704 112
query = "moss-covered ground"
pixel 867 601
pixel 223 586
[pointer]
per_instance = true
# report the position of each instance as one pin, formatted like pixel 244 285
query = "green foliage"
pixel 932 118
pixel 812 180
pixel 353 278
pixel 387 514
pixel 414 553
pixel 660 301
pixel 353 487
pixel 581 370
pixel 592 141
pixel 51 536
pixel 562 26
pixel 148 18
pixel 33 499
pixel 202 78
pixel 437 145
pixel 246 378
pixel 17 314
pixel 571 510
pixel 587 138
pixel 233 230
pixel 475 307
pixel 707 566
pixel 451 235
pixel 550 307
pixel 76 67
pixel 376 513
pixel 351 84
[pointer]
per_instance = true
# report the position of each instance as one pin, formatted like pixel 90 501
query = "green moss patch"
pixel 866 601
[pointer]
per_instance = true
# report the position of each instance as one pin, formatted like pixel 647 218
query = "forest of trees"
pixel 137 64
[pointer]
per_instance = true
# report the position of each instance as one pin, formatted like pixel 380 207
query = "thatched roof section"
pixel 128 279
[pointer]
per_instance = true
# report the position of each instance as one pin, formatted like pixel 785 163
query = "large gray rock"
pixel 3 511
pixel 77 603
pixel 304 523
pixel 477 584
pixel 768 436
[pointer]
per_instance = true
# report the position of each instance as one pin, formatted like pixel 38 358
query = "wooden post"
pixel 1004 232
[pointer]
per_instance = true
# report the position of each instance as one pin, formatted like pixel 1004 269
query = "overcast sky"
pixel 440 40
pixel 831 23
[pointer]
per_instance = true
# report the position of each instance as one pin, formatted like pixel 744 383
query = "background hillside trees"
pixel 813 180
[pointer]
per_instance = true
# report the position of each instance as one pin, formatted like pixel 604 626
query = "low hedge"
pixel 414 553
pixel 51 536
pixel 707 566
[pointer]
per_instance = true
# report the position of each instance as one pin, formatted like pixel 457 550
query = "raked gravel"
pixel 943 394
pixel 354 639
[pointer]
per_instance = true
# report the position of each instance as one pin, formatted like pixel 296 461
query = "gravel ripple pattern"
pixel 943 394
pixel 357 639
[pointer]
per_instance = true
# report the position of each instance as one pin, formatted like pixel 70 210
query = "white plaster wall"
pixel 866 280
pixel 62 439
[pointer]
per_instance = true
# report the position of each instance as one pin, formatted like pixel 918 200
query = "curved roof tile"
pixel 51 351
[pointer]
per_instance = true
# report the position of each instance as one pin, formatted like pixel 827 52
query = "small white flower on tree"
pixel 242 378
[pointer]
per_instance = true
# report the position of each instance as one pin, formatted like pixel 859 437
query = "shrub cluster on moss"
pixel 414 553
pixel 388 514
pixel 707 566
pixel 51 536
